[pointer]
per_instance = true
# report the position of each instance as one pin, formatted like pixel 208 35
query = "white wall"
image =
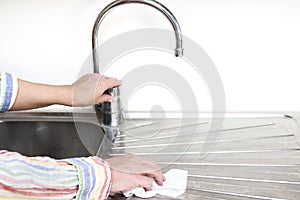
pixel 255 44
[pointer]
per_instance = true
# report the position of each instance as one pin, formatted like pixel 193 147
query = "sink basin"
pixel 256 156
pixel 56 138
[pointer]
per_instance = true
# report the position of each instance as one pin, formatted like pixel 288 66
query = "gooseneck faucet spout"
pixel 110 114
pixel 152 3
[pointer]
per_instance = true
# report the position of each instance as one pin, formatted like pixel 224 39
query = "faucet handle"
pixel 111 113
pixel 115 106
pixel 115 91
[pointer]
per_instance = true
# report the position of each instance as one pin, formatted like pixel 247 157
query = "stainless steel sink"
pixel 256 156
pixel 48 134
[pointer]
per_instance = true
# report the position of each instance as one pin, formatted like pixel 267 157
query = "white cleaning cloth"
pixel 174 186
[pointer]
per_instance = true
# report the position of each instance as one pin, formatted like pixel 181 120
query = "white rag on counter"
pixel 174 186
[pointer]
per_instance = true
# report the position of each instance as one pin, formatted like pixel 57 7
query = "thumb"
pixel 105 98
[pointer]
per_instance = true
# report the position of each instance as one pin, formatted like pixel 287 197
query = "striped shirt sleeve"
pixel 38 178
pixel 8 90
pixel 94 177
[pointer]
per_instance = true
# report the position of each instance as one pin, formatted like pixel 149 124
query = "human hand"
pixel 130 171
pixel 88 90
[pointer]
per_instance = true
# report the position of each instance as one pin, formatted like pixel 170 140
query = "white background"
pixel 254 44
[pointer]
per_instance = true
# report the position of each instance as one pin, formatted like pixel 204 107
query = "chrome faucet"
pixel 111 114
pixel 152 3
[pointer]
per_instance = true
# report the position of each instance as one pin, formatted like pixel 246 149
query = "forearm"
pixel 17 94
pixel 34 95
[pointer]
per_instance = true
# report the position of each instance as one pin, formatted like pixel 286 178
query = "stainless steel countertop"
pixel 254 157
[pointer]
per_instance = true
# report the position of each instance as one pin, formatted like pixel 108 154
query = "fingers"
pixel 153 171
pixel 148 168
pixel 134 171
pixel 125 181
pixel 105 98
pixel 139 171
pixel 105 83
pixel 157 176
pixel 108 82
pixel 144 181
pixel 89 89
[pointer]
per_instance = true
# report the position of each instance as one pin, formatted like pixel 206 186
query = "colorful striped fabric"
pixel 94 177
pixel 36 178
pixel 29 178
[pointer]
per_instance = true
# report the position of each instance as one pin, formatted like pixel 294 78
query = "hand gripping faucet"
pixel 110 114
